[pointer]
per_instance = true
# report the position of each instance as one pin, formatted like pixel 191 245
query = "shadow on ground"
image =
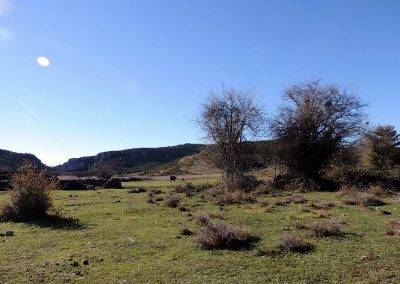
pixel 57 222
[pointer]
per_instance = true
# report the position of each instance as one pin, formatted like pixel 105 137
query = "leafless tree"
pixel 315 122
pixel 229 119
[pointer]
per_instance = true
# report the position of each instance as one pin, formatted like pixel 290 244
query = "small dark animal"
pixel 172 178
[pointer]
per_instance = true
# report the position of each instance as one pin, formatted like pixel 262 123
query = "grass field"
pixel 120 238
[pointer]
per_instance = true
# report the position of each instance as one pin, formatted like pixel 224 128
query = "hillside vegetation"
pixel 128 161
pixel 11 161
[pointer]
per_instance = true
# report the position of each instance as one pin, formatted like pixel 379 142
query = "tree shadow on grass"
pixel 57 222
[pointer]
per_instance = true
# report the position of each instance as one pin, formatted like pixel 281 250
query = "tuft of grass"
pixel 330 229
pixel 136 190
pixel 172 200
pixel 262 202
pixel 297 198
pixel 154 191
pixel 224 236
pixel 280 203
pixel 299 225
pixel 290 243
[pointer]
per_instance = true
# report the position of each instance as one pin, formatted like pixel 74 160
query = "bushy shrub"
pixel 363 199
pixel 190 189
pixel 172 200
pixel 224 236
pixel 31 195
pixel 297 198
pixel 290 243
pixel 330 229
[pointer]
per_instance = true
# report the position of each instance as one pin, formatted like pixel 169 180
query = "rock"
pixel 10 233
pixel 71 185
pixel 113 183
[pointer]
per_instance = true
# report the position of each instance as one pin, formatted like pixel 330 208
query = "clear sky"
pixel 126 73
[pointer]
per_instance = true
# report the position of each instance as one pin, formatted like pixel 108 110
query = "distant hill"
pixel 10 161
pixel 189 165
pixel 128 161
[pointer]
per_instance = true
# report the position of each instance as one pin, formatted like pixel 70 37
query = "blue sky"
pixel 127 73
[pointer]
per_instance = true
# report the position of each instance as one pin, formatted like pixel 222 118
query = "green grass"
pixel 127 240
pixel 168 183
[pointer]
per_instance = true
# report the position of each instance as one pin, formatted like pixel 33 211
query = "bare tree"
pixel 229 119
pixel 314 123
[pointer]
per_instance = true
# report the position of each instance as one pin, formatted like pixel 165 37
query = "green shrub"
pixel 31 195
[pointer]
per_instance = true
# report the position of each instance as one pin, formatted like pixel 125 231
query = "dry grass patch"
pixel 329 229
pixel 363 199
pixel 299 225
pixel 262 202
pixel 290 243
pixel 224 236
pixel 136 190
pixel 172 200
pixel 297 198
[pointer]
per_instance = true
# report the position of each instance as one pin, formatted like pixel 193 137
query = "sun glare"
pixel 43 61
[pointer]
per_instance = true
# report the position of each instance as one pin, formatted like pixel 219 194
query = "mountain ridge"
pixel 128 160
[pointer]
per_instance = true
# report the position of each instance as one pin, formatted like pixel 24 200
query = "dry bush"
pixel 327 205
pixel 172 200
pixel 154 191
pixel 383 212
pixel 330 229
pixel 297 198
pixel 262 202
pixel 190 189
pixel 394 229
pixel 236 197
pixel 376 190
pixel 363 199
pixel 31 195
pixel 280 203
pixel 299 225
pixel 204 218
pixel 395 224
pixel 290 243
pixel 224 236
pixel 136 190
